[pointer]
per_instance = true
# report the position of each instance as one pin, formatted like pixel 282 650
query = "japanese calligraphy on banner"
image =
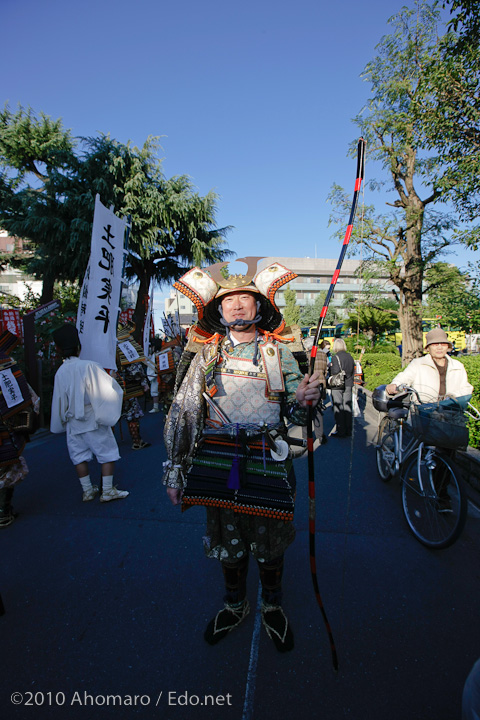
pixel 10 320
pixel 10 388
pixel 129 351
pixel 99 300
pixel 163 361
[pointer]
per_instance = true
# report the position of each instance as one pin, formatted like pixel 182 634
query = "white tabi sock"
pixel 107 482
pixel 86 483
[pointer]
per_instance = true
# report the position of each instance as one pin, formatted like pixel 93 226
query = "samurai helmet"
pixel 206 288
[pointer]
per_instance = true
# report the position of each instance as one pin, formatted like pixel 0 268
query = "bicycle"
pixel 434 500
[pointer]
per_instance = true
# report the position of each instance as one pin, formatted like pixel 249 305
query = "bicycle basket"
pixel 383 402
pixel 443 427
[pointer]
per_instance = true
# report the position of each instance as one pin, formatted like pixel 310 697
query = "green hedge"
pixel 380 369
pixel 472 366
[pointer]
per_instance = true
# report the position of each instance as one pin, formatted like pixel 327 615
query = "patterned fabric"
pixel 265 487
pixel 11 446
pixel 14 473
pixel 230 536
pixel 135 383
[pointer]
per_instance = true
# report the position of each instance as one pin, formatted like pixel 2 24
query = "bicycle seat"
pixel 398 413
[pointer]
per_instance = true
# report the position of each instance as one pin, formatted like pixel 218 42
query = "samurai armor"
pixel 266 487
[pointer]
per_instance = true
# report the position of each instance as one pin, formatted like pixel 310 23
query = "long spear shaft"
pixel 311 466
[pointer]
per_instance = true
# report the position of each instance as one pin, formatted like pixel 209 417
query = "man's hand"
pixel 391 389
pixel 175 495
pixel 309 390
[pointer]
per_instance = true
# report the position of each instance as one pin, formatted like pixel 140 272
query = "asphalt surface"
pixel 106 603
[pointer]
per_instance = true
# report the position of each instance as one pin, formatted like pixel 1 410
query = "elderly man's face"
pixel 239 306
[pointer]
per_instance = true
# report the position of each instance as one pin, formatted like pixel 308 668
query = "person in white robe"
pixel 86 403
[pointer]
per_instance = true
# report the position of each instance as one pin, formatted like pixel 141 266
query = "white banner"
pixel 10 388
pixel 129 351
pixel 163 361
pixel 100 296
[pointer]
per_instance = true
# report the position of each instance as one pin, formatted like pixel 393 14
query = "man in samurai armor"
pixel 132 376
pixel 238 383
pixel 18 404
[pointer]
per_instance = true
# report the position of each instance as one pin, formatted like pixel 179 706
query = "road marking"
pixel 473 510
pixel 253 663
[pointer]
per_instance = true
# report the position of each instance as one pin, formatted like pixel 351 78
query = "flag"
pixel 100 297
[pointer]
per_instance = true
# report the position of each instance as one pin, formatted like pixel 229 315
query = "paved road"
pixel 112 599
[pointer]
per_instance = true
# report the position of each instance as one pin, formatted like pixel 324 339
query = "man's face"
pixel 239 306
pixel 438 350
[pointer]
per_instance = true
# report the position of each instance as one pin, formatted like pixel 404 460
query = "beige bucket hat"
pixel 437 335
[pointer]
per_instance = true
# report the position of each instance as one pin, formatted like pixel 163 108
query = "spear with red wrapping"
pixel 311 467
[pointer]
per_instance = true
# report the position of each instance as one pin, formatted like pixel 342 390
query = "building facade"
pixel 13 281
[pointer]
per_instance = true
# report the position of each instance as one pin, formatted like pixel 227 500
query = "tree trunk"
pixel 410 317
pixel 47 290
pixel 141 307
pixel 410 281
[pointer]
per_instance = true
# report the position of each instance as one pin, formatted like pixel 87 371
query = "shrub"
pixel 472 366
pixel 380 368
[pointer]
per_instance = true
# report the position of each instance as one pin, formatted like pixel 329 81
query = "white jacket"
pixel 422 374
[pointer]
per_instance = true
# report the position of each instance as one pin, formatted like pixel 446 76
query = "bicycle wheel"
pixel 437 515
pixel 386 449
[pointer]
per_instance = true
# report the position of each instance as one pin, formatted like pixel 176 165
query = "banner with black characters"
pixel 100 297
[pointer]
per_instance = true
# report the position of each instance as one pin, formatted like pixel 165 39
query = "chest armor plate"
pixel 242 393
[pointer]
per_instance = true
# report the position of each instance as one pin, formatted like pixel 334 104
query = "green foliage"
pixel 472 366
pixel 380 368
pixel 448 110
pixel 310 314
pixel 452 297
pixel 382 345
pixel 404 242
pixel 371 321
pixel 47 195
pixel 291 314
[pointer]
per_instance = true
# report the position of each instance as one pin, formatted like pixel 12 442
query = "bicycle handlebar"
pixel 403 388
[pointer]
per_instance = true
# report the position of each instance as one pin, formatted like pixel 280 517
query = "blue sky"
pixel 253 100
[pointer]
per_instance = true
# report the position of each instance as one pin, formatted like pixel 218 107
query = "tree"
pixel 466 21
pixel 31 149
pixel 310 314
pixel 291 314
pixel 413 235
pixel 452 298
pixel 47 194
pixel 371 321
pixel 448 112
